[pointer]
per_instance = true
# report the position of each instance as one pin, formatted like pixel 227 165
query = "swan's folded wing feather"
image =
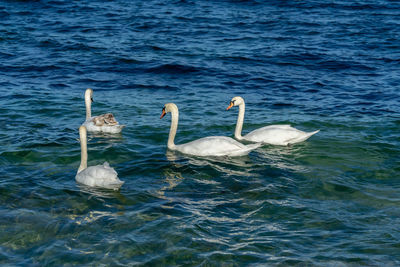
pixel 104 119
pixel 245 151
pixel 213 146
pixel 275 135
pixel 100 176
pixel 102 172
pixel 110 119
pixel 275 127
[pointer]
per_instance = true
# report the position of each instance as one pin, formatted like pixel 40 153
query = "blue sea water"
pixel 333 200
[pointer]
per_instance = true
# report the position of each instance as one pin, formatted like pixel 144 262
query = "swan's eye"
pixel 233 101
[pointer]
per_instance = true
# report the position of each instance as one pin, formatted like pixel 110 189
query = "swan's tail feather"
pixel 114 128
pixel 254 146
pixel 114 185
pixel 120 127
pixel 246 150
pixel 302 138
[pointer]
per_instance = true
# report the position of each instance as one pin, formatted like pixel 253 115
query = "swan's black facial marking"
pixel 163 113
pixel 91 99
pixel 233 101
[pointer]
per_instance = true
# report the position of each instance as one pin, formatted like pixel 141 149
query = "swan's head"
pixel 89 94
pixel 169 107
pixel 236 101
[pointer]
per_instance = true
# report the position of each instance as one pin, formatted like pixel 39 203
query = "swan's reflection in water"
pixel 100 193
pixel 240 166
pixel 179 163
pixel 96 204
pixel 202 173
pixel 203 169
pixel 172 179
pixel 281 157
pixel 106 136
pixel 92 216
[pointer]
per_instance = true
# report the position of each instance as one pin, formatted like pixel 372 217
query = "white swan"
pixel 272 134
pixel 105 123
pixel 207 146
pixel 99 175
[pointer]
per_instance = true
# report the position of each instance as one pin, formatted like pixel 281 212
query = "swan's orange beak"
pixel 163 113
pixel 230 105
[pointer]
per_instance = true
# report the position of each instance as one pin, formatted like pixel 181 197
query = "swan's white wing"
pixel 99 176
pixel 282 126
pixel 277 135
pixel 214 146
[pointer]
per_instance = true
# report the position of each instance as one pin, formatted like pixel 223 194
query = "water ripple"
pixel 332 200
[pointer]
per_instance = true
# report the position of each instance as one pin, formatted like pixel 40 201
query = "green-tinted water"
pixel 331 199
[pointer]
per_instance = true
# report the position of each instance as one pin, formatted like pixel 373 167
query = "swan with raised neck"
pixel 173 109
pixel 271 134
pixel 84 155
pixel 88 103
pixel 96 176
pixel 102 123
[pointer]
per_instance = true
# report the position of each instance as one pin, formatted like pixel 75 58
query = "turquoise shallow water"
pixel 330 201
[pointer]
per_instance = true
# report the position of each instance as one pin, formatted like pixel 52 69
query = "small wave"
pixel 337 65
pixel 173 69
pixel 282 105
pixel 4 15
pixel 32 68
pixel 59 85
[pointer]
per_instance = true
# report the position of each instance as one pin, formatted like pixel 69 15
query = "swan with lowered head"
pixel 105 123
pixel 271 134
pixel 206 146
pixel 96 176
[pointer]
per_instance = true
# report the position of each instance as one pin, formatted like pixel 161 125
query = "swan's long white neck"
pixel 88 103
pixel 174 128
pixel 84 155
pixel 239 123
